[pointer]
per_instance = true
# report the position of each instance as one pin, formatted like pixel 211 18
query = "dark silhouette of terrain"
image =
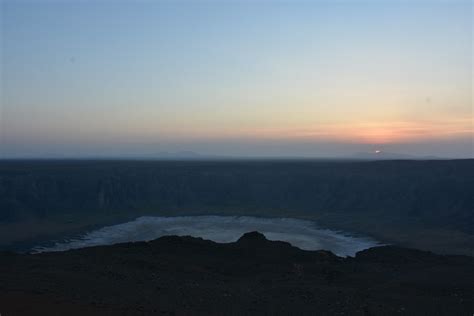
pixel 383 155
pixel 421 204
pixel 253 276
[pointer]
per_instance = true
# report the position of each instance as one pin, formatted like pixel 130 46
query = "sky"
pixel 235 78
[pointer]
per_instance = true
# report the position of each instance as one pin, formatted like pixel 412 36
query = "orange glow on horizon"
pixel 364 133
pixel 369 133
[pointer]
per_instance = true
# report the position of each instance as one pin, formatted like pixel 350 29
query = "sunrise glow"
pixel 229 79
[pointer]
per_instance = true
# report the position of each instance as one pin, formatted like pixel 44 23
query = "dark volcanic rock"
pixel 258 241
pixel 253 276
pixel 253 238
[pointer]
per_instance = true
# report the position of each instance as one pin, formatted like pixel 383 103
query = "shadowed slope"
pixel 191 276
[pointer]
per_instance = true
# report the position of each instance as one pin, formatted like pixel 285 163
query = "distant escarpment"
pixel 378 197
pixel 253 276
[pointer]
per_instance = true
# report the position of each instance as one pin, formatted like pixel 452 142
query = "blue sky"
pixel 246 78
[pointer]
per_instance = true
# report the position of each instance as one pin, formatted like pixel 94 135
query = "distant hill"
pixel 383 155
pixel 186 154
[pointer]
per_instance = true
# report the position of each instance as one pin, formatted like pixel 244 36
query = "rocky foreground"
pixel 253 276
